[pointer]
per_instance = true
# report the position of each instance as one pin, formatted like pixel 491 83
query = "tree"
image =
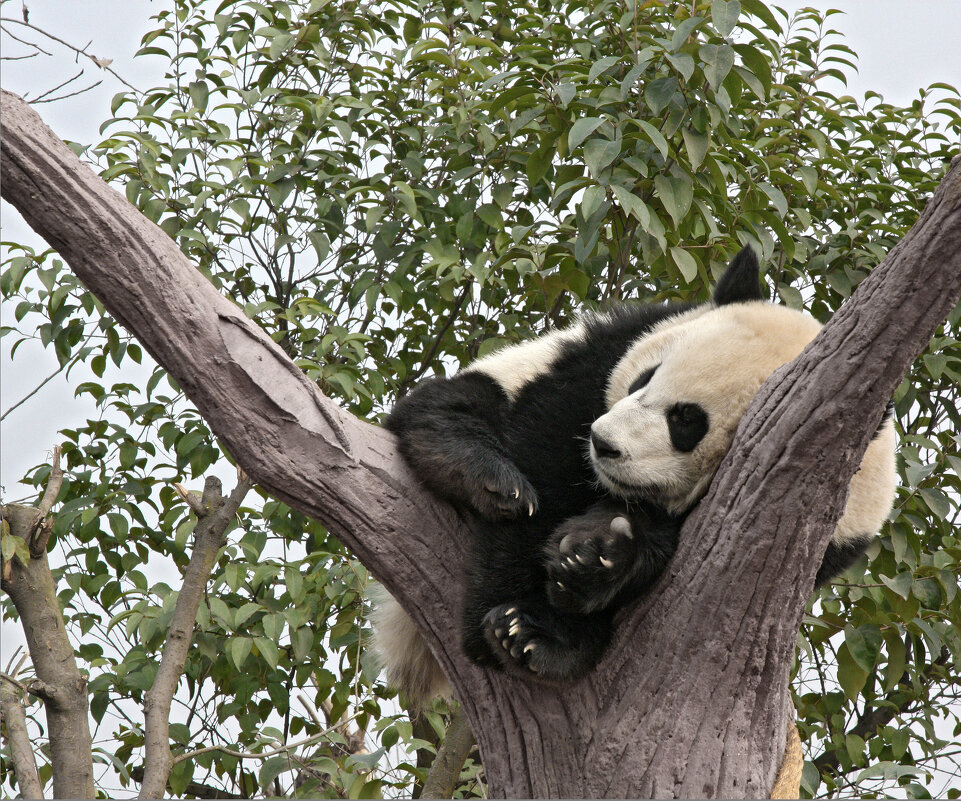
pixel 645 144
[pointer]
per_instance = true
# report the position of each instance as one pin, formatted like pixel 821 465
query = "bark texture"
pixel 18 740
pixel 692 699
pixel 58 683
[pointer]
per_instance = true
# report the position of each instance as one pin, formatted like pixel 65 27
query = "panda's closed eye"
pixel 642 380
pixel 687 424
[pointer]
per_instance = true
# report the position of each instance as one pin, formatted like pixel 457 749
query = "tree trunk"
pixel 692 698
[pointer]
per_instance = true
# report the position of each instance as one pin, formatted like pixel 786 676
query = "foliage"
pixel 393 189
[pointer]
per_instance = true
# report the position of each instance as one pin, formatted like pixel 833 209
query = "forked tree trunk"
pixel 691 700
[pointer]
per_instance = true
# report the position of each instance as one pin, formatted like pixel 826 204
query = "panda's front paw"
pixel 499 491
pixel 590 560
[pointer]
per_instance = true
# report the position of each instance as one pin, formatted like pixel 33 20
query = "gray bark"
pixel 691 699
pixel 58 683
pixel 18 740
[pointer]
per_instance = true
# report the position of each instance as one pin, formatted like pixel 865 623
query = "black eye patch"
pixel 642 380
pixel 687 424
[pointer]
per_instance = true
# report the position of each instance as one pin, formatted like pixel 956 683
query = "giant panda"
pixel 579 455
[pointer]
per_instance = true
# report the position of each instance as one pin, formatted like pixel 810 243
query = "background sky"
pixel 902 46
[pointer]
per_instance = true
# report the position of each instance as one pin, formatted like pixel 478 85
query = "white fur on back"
pixel 517 365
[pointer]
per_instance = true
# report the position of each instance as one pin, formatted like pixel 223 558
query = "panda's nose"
pixel 603 448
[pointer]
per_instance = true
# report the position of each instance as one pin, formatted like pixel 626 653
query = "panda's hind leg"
pixel 532 640
pixel 451 434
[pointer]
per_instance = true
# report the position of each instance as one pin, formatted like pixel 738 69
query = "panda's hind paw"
pixel 533 642
pixel 590 559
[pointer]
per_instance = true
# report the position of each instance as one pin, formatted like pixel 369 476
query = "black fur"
pixel 687 424
pixel 552 556
pixel 462 436
pixel 741 280
pixel 839 557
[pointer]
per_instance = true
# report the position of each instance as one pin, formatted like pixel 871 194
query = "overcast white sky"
pixel 902 46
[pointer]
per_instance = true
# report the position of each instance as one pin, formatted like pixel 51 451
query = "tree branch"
pixel 209 537
pixel 453 752
pixel 18 740
pixel 59 683
pixel 692 699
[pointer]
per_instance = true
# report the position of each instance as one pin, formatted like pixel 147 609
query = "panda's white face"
pixel 677 396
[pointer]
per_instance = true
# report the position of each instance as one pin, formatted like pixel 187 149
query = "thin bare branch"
pixel 214 515
pixel 70 94
pixel 284 749
pixel 102 63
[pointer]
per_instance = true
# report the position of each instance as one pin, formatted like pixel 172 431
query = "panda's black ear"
pixel 741 280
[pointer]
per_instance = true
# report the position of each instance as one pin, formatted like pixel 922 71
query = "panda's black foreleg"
pixel 452 434
pixel 608 555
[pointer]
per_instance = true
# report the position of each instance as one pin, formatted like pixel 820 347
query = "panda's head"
pixel 676 397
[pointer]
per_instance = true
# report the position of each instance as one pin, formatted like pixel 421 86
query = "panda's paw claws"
pixel 513 636
pixel 504 494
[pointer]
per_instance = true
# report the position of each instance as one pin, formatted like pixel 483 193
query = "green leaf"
pixel 683 63
pixel 491 215
pixel 809 177
pixel 683 31
pixel 659 93
pixel 271 769
pixel 238 648
pixel 936 501
pixel 776 196
pixel 632 204
pixel 928 592
pixel 864 644
pixel 676 194
pixel 599 153
pixel 724 15
pixel 243 614
pixel 656 137
pixel 267 650
pixel 717 61
pixel 581 129
pixel 295 583
pixel 199 94
pixel 851 676
pixel 685 262
pixel 900 584
pixel 601 66
pixel 697 145
pixel 538 163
